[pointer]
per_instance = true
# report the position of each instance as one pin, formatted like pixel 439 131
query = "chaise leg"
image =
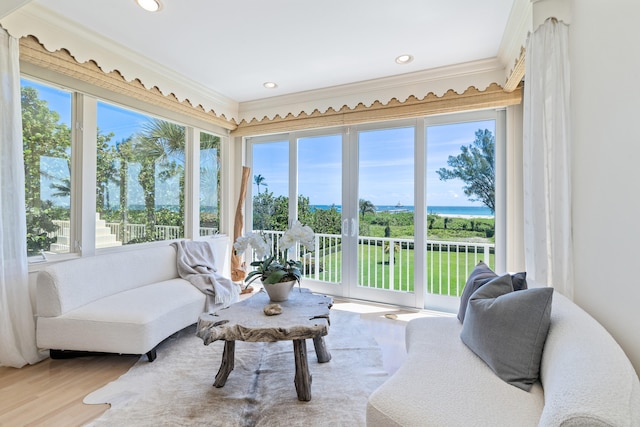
pixel 63 354
pixel 72 354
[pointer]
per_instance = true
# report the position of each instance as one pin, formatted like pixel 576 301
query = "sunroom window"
pixel 46 130
pixel 139 178
pixel 209 184
pixel 142 162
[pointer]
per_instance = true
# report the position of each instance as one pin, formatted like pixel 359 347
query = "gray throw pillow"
pixel 519 281
pixel 480 275
pixel 508 329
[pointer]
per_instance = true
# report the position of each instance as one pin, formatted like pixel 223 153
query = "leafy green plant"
pixel 274 270
pixel 39 225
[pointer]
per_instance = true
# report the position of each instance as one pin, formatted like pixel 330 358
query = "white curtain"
pixel 17 326
pixel 547 158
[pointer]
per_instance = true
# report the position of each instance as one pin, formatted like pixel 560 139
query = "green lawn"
pixel 446 272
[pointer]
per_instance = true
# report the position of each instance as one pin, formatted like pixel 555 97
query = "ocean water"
pixel 440 210
pixel 460 210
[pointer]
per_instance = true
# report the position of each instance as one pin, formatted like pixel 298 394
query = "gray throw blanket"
pixel 195 262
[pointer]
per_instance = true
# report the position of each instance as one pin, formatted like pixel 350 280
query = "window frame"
pixel 34 260
pixel 503 169
pixel 83 161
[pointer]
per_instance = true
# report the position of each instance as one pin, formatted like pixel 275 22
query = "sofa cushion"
pixel 508 329
pixel 443 383
pixel 68 285
pixel 132 321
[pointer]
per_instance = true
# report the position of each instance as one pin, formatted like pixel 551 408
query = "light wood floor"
pixel 50 393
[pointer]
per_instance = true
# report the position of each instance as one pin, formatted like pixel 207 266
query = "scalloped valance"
pixel 32 52
pixel 493 96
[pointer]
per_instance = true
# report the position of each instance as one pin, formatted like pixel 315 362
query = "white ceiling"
pixel 233 47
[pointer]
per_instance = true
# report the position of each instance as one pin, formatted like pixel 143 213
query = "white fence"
pixel 388 263
pixel 130 232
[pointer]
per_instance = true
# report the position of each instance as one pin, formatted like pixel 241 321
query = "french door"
pixel 340 183
pixel 386 225
pixel 382 197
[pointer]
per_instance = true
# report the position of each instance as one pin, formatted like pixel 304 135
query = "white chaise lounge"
pixel 585 380
pixel 125 302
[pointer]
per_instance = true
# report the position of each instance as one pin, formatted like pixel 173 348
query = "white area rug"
pixel 177 388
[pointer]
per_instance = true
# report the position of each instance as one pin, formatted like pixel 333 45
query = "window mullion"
pixel 83 184
pixel 293 178
pixel 420 214
pixel 501 191
pixel 192 184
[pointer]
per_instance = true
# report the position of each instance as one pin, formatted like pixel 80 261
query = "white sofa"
pixel 125 302
pixel 585 380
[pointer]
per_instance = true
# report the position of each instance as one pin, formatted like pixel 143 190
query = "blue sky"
pixel 386 165
pixel 386 159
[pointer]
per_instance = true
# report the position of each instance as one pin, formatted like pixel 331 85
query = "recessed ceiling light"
pixel 404 59
pixel 270 85
pixel 149 5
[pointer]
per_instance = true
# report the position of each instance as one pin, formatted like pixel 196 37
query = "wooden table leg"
pixel 303 377
pixel 321 350
pixel 226 366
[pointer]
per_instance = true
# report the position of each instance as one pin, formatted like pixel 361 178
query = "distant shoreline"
pixel 464 216
pixel 466 212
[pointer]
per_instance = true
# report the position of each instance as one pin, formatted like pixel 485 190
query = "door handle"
pixel 353 227
pixel 345 227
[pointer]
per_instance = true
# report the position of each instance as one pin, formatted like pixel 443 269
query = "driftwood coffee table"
pixel 304 315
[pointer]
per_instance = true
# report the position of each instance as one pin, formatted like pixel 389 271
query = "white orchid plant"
pixel 274 268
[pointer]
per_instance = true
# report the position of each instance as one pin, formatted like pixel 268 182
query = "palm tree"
pixel 106 170
pixel 209 177
pixel 62 189
pixel 259 180
pixel 159 144
pixel 366 207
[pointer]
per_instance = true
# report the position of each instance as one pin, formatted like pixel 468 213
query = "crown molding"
pixel 8 6
pixel 458 78
pixel 55 32
pixel 514 39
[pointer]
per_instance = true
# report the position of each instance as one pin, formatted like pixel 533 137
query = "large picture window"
pixel 140 178
pixel 140 174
